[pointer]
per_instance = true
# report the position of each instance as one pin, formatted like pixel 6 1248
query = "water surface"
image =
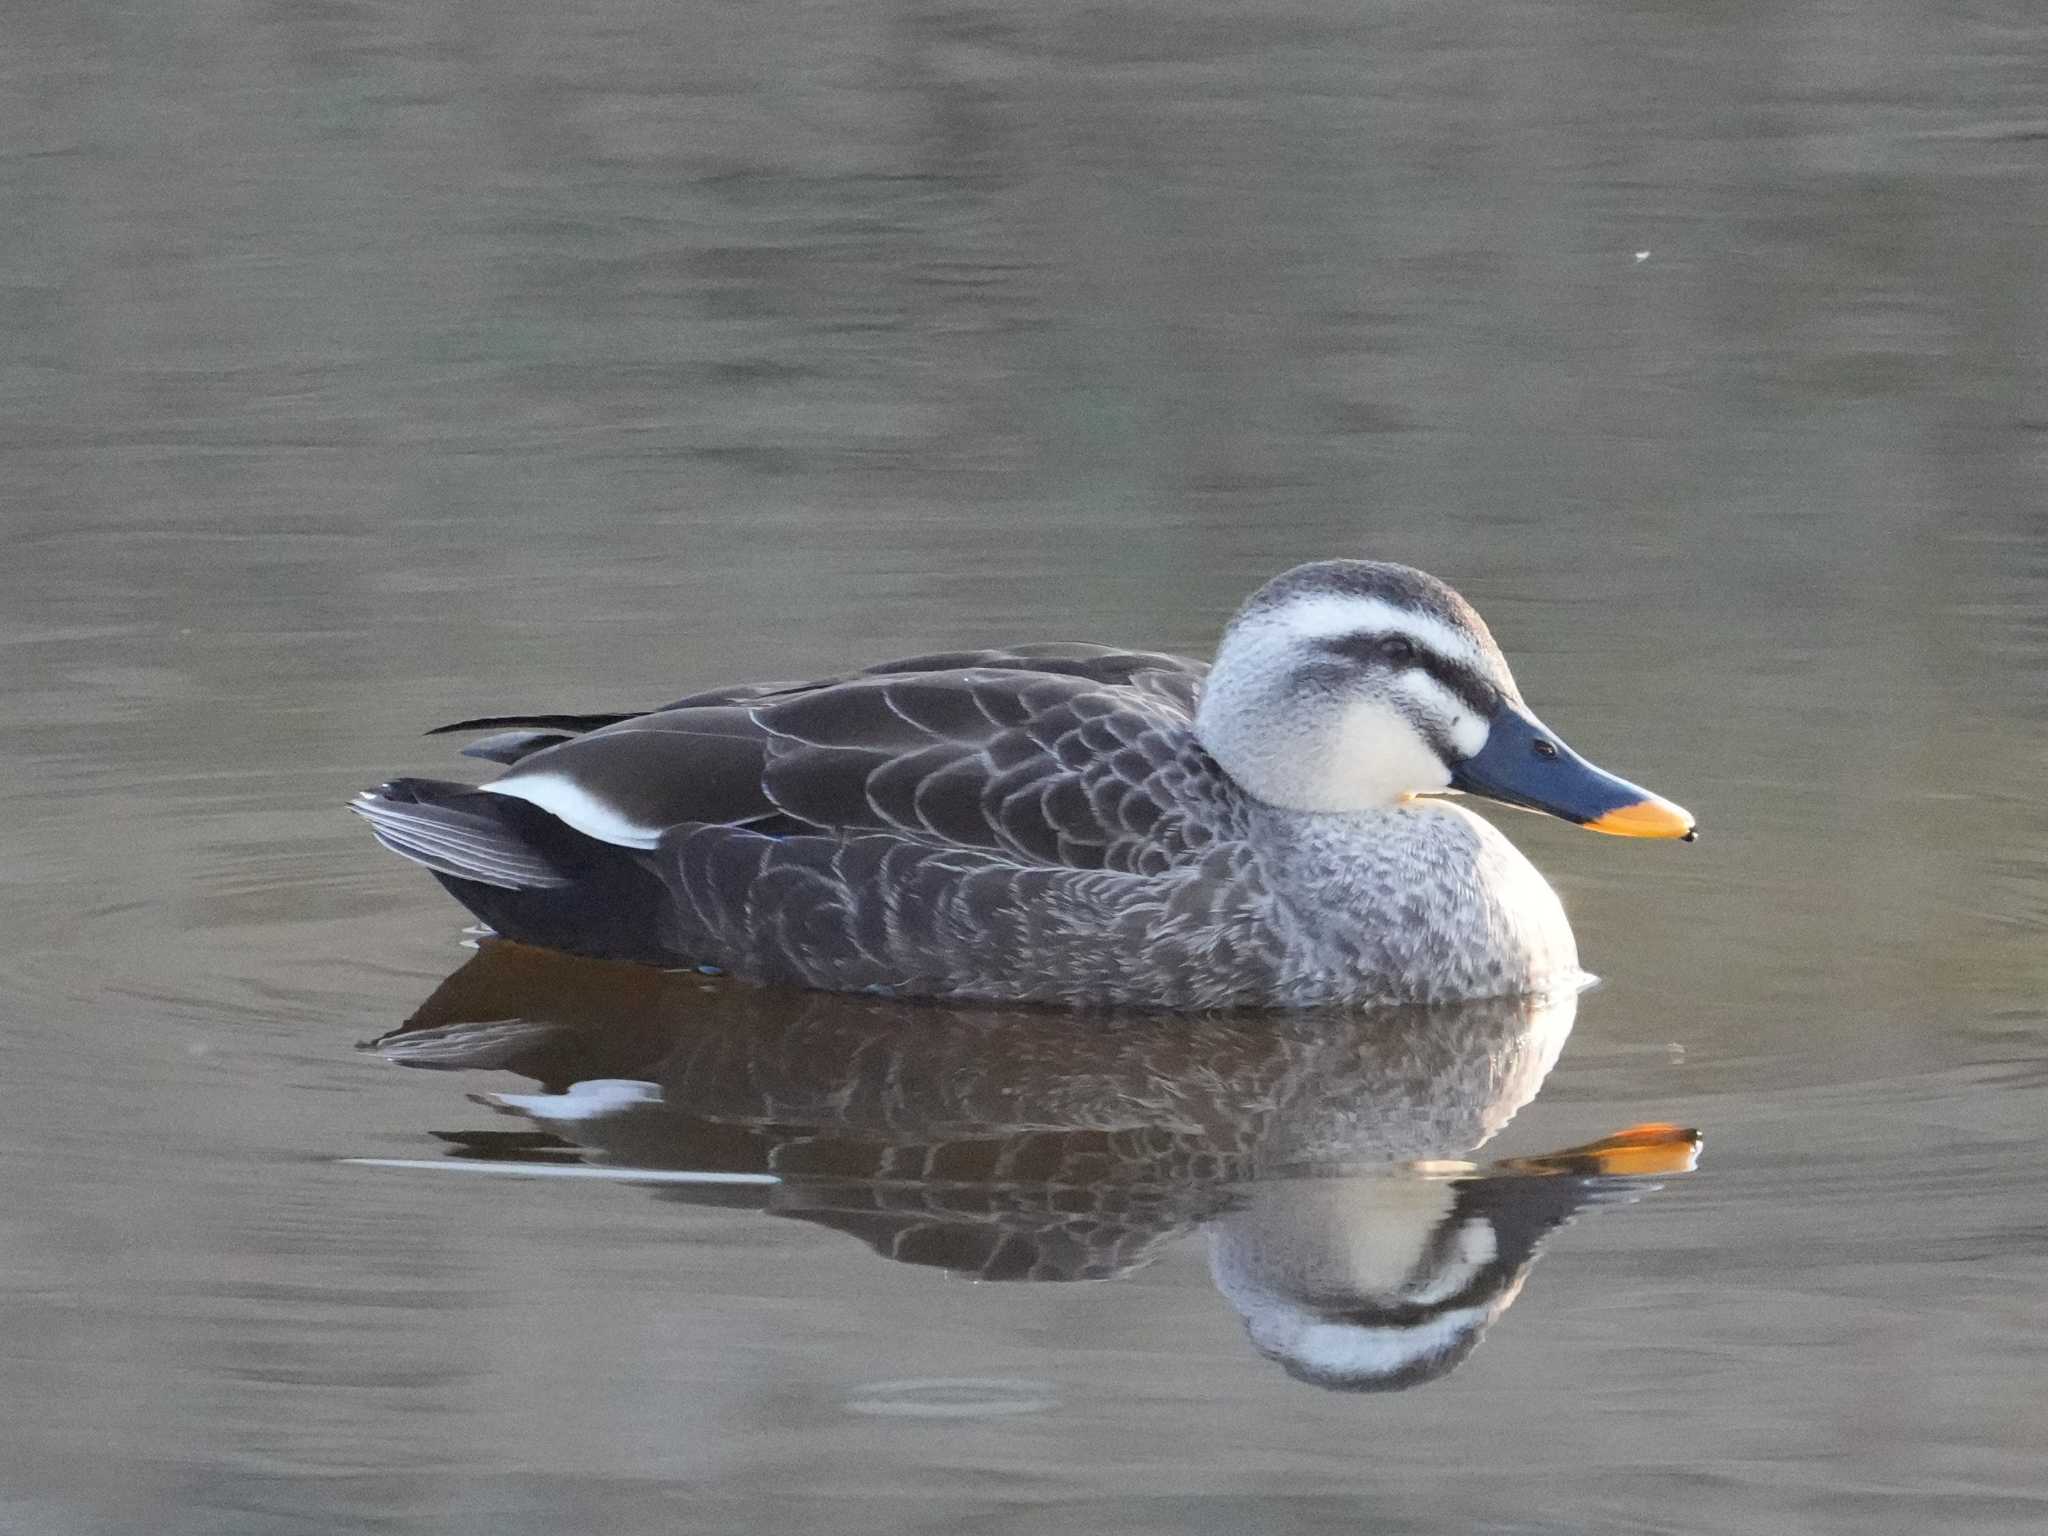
pixel 369 368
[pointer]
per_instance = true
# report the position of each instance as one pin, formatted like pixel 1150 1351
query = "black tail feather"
pixel 511 746
pixel 573 724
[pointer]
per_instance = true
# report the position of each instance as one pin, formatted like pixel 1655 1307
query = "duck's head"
pixel 1349 685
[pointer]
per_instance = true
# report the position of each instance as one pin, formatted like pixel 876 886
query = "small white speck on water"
pixel 951 1397
pixel 1642 256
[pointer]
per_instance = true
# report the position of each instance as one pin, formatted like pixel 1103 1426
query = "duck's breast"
pixel 1423 902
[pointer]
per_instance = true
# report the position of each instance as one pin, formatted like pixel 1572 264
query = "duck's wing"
pixel 1075 757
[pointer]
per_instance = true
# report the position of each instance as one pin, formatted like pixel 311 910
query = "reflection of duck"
pixel 1025 1144
pixel 1058 823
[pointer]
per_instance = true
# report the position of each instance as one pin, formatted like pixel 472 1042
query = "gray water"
pixel 367 367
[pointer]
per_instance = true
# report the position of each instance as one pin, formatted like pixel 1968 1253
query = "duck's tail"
pixel 459 831
pixel 527 875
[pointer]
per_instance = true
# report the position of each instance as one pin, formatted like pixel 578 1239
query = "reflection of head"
pixel 1373 1284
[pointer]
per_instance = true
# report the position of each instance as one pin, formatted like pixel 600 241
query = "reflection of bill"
pixel 1022 1144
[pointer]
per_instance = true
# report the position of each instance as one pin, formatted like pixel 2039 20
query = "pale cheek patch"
pixel 572 804
pixel 1379 757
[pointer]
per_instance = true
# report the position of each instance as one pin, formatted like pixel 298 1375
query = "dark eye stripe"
pixel 1363 647
pixel 1464 682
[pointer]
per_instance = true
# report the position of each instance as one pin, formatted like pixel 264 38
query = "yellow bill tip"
pixel 1646 1150
pixel 1651 816
pixel 1642 1151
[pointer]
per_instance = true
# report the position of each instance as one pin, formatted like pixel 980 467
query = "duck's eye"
pixel 1544 748
pixel 1397 649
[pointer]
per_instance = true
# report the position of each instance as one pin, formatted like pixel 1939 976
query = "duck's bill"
pixel 1524 763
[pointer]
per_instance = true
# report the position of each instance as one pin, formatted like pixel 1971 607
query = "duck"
pixel 1057 823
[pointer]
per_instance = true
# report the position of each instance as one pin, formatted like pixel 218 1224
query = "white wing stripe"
pixel 567 801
